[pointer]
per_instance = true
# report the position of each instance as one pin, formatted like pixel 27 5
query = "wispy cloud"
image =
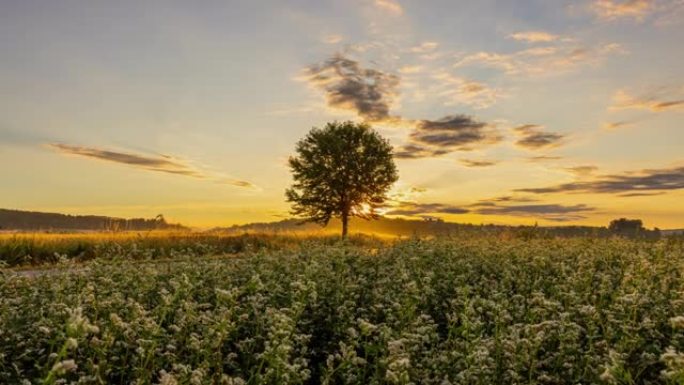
pixel 411 208
pixel 332 39
pixel 610 126
pixel 630 9
pixel 414 69
pixel 581 170
pixel 534 36
pixel 478 163
pixel 390 6
pixel 543 158
pixel 659 12
pixel 533 137
pixel 551 212
pixel 655 102
pixel 643 181
pixel 424 47
pixel 458 90
pixel 505 199
pixel 557 59
pixel 158 163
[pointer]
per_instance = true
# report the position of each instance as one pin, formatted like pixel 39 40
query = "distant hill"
pixel 39 221
pixel 673 232
pixel 434 226
pixel 408 227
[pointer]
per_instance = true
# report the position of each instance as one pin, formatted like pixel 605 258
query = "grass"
pixel 35 249
pixel 450 310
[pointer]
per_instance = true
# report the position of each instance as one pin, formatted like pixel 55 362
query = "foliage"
pixel 29 220
pixel 33 249
pixel 343 170
pixel 447 311
pixel 626 226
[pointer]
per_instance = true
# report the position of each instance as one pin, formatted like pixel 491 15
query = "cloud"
pixel 551 212
pixel 631 9
pixel 505 198
pixel 622 100
pixel 425 47
pixel 581 170
pixel 532 137
pixel 478 163
pixel 413 151
pixel 159 163
pixel 543 158
pixel 610 126
pixel 534 36
pixel 501 206
pixel 642 181
pixel 332 39
pixel 411 69
pixel 563 57
pixel 642 194
pixel 451 133
pixel 391 6
pixel 370 94
pixel 349 86
pixel 411 208
pixel 458 90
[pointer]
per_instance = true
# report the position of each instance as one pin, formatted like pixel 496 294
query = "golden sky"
pixel 556 112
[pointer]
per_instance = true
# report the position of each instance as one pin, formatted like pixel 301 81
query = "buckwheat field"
pixel 467 310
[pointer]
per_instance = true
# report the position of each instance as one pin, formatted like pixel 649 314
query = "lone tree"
pixel 342 170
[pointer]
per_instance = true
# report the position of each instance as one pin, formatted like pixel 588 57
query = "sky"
pixel 550 112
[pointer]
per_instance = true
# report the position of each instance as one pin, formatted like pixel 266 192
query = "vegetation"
pixel 30 220
pixel 471 310
pixel 34 249
pixel 342 170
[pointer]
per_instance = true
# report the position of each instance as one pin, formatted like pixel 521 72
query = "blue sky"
pixel 506 112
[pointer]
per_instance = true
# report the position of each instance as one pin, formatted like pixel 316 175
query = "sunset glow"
pixel 563 112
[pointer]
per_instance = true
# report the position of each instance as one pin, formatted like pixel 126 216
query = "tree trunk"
pixel 345 224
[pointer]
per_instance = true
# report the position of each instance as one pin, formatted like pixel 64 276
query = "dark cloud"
pixel 409 208
pixel 349 86
pixel 543 158
pixel 413 151
pixel 532 137
pixel 370 93
pixel 498 206
pixel 477 163
pixel 505 198
pixel 659 106
pixel 160 163
pixel 642 194
pixel 581 170
pixel 615 125
pixel 451 133
pixel 656 101
pixel 643 181
pixel 552 212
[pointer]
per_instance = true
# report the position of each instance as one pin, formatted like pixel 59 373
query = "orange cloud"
pixel 612 10
pixel 391 6
pixel 534 36
pixel 159 163
pixel 622 100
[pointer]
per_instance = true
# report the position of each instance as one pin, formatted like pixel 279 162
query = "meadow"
pixel 248 309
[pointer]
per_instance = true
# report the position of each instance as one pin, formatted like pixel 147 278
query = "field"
pixel 283 310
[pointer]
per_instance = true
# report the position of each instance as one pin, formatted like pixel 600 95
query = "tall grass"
pixel 47 248
pixel 444 311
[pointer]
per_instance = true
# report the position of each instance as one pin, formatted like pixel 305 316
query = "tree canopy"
pixel 342 170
